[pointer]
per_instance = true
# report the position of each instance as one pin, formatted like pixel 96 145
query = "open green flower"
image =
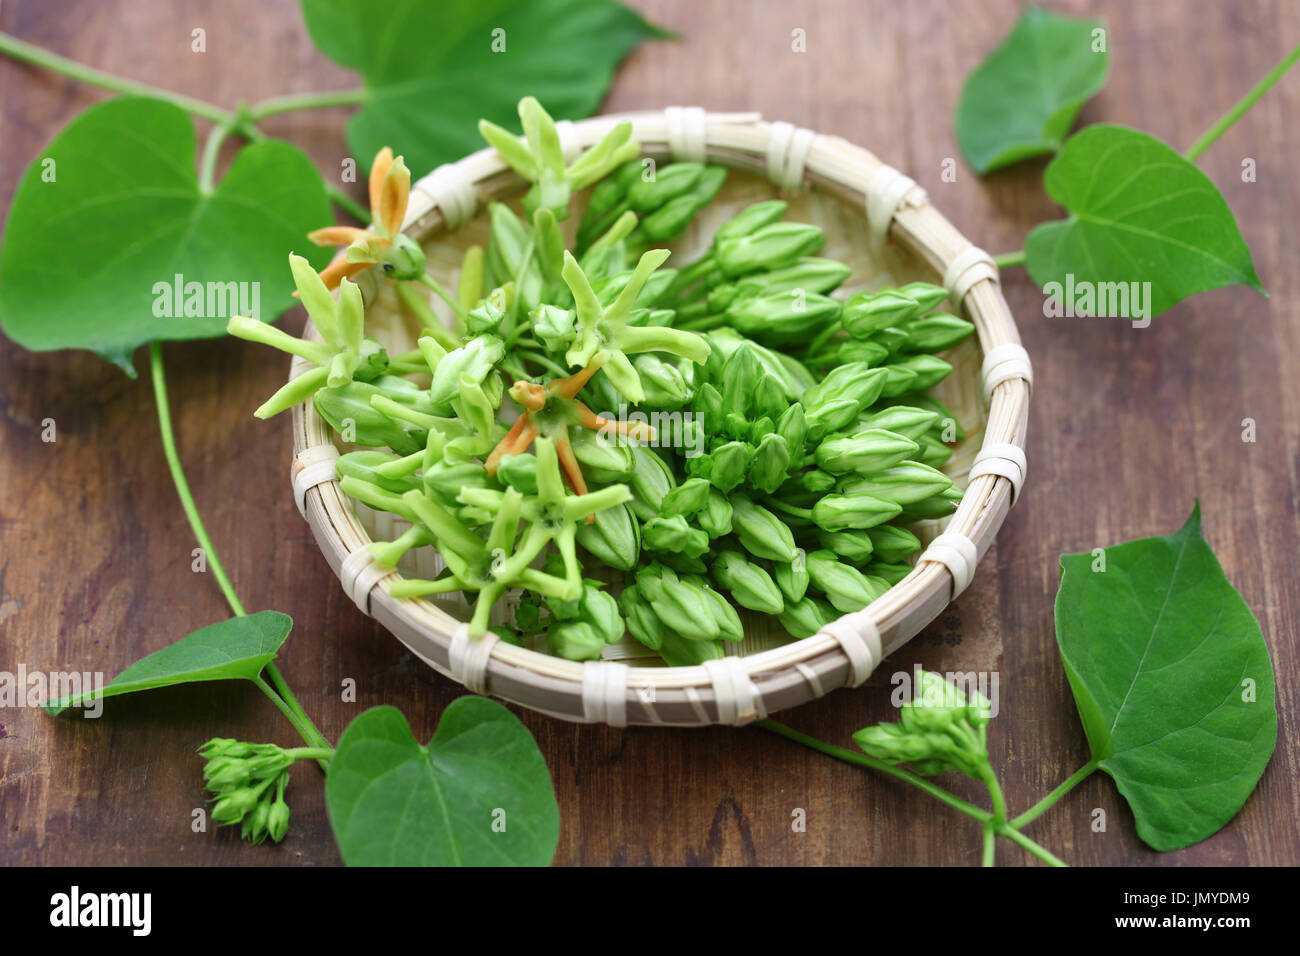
pixel 603 335
pixel 540 158
pixel 346 354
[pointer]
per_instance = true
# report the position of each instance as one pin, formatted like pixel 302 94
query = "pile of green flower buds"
pixel 726 435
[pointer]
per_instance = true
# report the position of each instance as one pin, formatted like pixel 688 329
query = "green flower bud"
pixel 892 544
pixel 768 247
pixel 613 536
pixel 899 380
pixel 805 618
pixel 362 465
pixel 687 498
pixel 838 512
pixel 668 385
pixel 650 481
pixel 771 461
pixel 750 586
pixel 651 318
pixel 792 578
pixel 730 462
pixel 830 417
pixel 868 312
pixel 348 410
pixel 728 621
pixel 866 451
pixel 680 606
pixel 520 472
pixel 598 608
pixel 675 535
pixel 554 327
pixel 749 219
pixel 933 452
pixel 947 427
pixel 235 805
pixel 904 483
pixel 905 420
pixel 926 295
pixel 793 428
pixel 669 181
pixel 254 826
pixel 809 274
pixel 473 361
pixel 938 506
pixel 930 370
pixel 787 370
pixel 669 221
pixel 740 374
pixel 783 318
pixel 708 407
pixel 226 773
pixel 858 381
pixel 277 821
pixel 845 586
pixel 603 457
pixel 528 612
pixel 770 401
pixel 813 481
pixel 607 290
pixel 857 350
pixel 677 652
pixel 937 332
pixel 852 546
pixel 485 317
pixel 575 641
pixel 715 517
pixel 642 622
pixel 448 479
pixel 508 259
pixel 890 573
pixel 760 532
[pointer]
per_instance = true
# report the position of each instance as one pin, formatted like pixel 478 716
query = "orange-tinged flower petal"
pixel 572 473
pixel 393 197
pixel 340 269
pixel 378 173
pixel 571 386
pixel 335 235
pixel 521 432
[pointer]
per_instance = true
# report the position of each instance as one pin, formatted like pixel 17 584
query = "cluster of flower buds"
pixel 248 781
pixel 940 729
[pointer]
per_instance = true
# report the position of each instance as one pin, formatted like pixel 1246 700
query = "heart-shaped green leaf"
pixel 111 213
pixel 432 70
pixel 479 794
pixel 231 650
pixel 1172 680
pixel 1139 213
pixel 1021 100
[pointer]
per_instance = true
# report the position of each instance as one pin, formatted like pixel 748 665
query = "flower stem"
pixel 211 152
pixel 1037 809
pixel 307 101
pixel 990 841
pixel 1009 259
pixel 1241 106
pixel 348 204
pixel 1015 836
pixel 29 53
pixel 285 699
pixel 862 760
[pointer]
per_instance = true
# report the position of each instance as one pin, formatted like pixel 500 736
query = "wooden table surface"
pixel 1127 428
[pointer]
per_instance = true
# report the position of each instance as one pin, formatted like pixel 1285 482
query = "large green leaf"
pixel 478 795
pixel 1139 212
pixel 124 211
pixel 431 70
pixel 1172 679
pixel 235 649
pixel 1021 100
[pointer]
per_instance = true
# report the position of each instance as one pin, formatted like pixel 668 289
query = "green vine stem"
pixel 1080 775
pixel 307 101
pixel 1015 836
pixel 1009 259
pixel 1241 106
pixel 285 698
pixel 862 760
pixel 990 844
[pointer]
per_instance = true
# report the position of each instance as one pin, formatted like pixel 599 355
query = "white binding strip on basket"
pixel 312 467
pixel 1003 363
pixel 1004 459
pixel 885 190
pixel 359 573
pixel 859 638
pixel 738 700
pixel 468 657
pixel 604 692
pixel 970 266
pixel 688 133
pixel 787 152
pixel 958 554
pixel 452 192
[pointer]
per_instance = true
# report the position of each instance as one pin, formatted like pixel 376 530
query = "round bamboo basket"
pixel 879 222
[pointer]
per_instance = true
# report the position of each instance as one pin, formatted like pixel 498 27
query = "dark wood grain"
pixel 1128 427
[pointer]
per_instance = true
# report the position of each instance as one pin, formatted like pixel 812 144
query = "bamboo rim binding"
pixel 734 690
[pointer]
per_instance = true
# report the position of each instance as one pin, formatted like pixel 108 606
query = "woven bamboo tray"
pixel 879 222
